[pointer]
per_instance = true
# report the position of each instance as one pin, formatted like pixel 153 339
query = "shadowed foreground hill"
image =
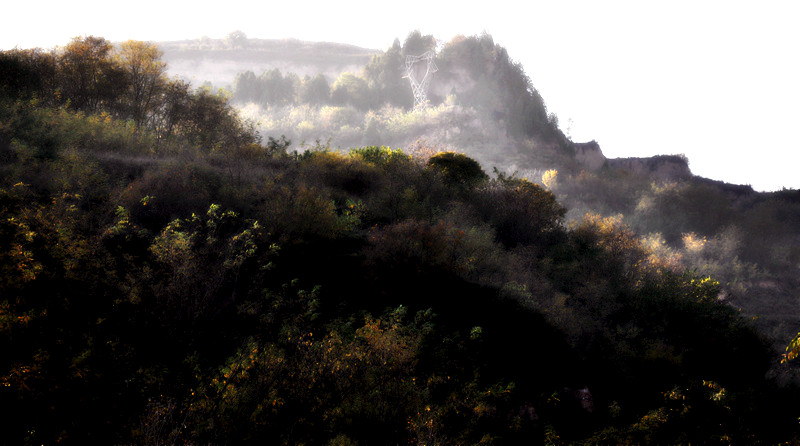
pixel 167 277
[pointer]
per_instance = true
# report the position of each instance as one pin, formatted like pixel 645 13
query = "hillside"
pixel 482 103
pixel 465 68
pixel 170 274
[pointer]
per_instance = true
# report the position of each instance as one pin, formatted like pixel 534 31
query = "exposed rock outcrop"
pixel 662 167
pixel 589 155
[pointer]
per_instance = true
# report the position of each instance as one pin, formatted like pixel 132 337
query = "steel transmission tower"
pixel 419 79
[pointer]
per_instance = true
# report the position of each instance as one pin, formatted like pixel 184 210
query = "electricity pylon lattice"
pixel 420 80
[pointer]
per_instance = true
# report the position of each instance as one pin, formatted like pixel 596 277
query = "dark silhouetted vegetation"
pixel 167 277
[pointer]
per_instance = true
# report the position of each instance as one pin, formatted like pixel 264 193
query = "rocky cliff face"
pixel 661 167
pixel 589 155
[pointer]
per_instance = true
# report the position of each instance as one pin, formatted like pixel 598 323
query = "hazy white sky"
pixel 716 80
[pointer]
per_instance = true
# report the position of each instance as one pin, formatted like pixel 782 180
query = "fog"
pixel 716 81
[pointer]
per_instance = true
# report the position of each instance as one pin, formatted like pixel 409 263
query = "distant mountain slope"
pixel 219 61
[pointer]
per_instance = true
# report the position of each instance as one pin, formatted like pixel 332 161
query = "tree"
pixel 236 39
pixel 211 123
pixel 458 169
pixel 24 73
pixel 275 88
pixel 246 87
pixel 89 78
pixel 384 75
pixel 416 44
pixel 203 117
pixel 499 85
pixel 353 90
pixel 314 90
pixel 173 108
pixel 146 77
pixel 522 212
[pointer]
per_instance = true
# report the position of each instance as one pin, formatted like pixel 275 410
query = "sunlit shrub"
pixel 550 179
pixel 619 242
pixel 379 156
pixel 661 254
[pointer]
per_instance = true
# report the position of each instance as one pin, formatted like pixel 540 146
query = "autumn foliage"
pixel 165 277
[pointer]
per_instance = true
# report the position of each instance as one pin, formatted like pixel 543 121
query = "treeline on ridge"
pixel 475 70
pixel 166 276
pixel 127 83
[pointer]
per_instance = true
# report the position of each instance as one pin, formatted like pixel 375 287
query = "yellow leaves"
pixel 550 178
pixel 19 255
pixel 379 155
pixel 693 243
pixel 483 409
pixel 704 289
pixel 171 245
pixel 141 56
pixel 660 254
pixel 614 236
pixel 718 392
pixel 9 318
pixel 611 231
pixel 21 374
pixel 652 419
pixel 792 350
pixel 25 264
pixel 476 333
pixel 106 117
pixel 390 345
pixel 675 395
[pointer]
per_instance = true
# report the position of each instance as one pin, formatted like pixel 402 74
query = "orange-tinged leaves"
pixel 792 350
